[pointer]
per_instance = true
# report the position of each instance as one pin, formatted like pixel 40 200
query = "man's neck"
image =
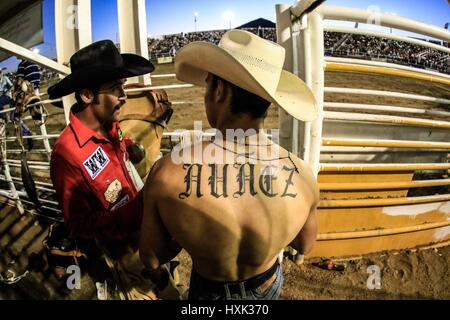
pixel 244 123
pixel 87 117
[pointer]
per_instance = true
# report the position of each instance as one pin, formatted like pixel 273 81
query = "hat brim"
pixel 133 65
pixel 194 61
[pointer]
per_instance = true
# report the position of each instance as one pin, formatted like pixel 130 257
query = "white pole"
pixel 8 178
pixel 305 68
pixel 133 31
pixel 73 32
pixel 385 20
pixel 284 38
pixel 318 81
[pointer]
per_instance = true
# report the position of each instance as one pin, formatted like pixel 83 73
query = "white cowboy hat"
pixel 249 62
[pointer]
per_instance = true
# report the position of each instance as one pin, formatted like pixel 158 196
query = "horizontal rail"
pixel 386 94
pixel 7 194
pixel 357 186
pixel 385 19
pixel 376 107
pixel 394 120
pixel 419 74
pixel 38 187
pixel 382 202
pixel 376 167
pixel 48 101
pixel 186 102
pixel 29 55
pixel 366 32
pixel 35 167
pixel 380 232
pixel 32 204
pixel 45 184
pixel 169 86
pixel 412 70
pixel 39 163
pixel 48 201
pixel 7 110
pixel 167 75
pixel 384 143
pixel 19 151
pixel 375 150
pixel 37 137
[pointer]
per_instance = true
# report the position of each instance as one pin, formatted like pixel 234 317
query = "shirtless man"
pixel 234 208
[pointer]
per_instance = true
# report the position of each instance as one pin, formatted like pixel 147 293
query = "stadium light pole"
pixel 228 16
pixel 195 20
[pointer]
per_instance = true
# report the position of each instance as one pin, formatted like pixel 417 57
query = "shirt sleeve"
pixel 20 70
pixel 84 215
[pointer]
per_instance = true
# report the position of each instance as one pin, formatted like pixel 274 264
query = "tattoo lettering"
pixel 289 183
pixel 246 175
pixel 214 180
pixel 242 178
pixel 190 178
pixel 266 181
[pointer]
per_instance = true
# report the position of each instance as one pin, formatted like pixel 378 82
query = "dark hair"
pixel 243 101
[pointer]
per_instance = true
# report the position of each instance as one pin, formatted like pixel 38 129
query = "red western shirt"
pixel 94 188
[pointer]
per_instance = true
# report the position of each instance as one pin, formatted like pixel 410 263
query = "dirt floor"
pixel 408 274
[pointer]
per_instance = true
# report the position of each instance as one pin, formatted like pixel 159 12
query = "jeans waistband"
pixel 249 284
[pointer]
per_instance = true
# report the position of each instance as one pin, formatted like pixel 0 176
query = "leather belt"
pixel 235 287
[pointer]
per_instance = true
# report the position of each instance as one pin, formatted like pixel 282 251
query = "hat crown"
pixel 100 53
pixel 264 59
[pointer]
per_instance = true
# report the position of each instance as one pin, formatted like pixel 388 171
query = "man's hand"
pixel 163 107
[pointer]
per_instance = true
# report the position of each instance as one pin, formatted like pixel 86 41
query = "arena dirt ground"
pixel 407 274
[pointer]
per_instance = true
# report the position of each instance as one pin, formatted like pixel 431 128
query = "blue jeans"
pixel 5 100
pixel 197 290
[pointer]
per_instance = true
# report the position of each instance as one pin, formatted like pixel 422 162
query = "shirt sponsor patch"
pixel 113 191
pixel 121 203
pixel 96 163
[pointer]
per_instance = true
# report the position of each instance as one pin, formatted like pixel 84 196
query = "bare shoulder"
pixel 161 174
pixel 306 172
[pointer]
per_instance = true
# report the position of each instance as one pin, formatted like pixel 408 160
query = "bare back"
pixel 233 218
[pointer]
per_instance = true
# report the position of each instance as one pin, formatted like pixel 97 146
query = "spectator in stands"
pixel 5 93
pixel 31 72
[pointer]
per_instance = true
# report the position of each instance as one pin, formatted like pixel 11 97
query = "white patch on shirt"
pixel 121 203
pixel 96 163
pixel 112 193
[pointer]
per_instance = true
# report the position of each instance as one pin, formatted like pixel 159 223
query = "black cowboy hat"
pixel 98 63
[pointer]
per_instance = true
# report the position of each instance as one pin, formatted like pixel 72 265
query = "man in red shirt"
pixel 94 180
pixel 89 166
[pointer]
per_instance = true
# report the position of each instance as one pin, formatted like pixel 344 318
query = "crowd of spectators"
pixel 170 44
pixel 336 44
pixel 369 47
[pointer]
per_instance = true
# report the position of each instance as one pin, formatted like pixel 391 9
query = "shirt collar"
pixel 83 134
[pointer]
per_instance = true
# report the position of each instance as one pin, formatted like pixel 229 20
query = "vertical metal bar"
pixel 284 38
pixel 307 66
pixel 132 20
pixel 8 178
pixel 45 140
pixel 73 32
pixel 317 74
